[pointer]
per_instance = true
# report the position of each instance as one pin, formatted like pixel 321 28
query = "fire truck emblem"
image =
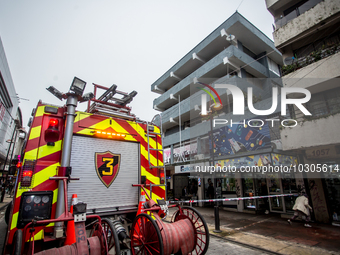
pixel 107 166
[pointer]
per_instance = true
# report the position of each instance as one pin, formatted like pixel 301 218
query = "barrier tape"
pixel 231 199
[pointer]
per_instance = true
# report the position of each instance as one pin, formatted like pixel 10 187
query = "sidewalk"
pixel 6 201
pixel 273 233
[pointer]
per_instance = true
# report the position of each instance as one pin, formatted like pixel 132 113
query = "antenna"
pixel 289 60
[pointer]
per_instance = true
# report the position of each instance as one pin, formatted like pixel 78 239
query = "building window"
pixel 249 52
pixel 318 45
pixel 324 103
pixel 273 67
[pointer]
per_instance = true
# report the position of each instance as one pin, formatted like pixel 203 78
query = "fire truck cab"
pixel 106 147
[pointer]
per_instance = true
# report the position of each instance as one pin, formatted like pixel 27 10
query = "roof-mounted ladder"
pixel 107 104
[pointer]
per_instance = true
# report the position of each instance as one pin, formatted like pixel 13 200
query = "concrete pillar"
pixel 317 196
pixel 239 192
pixel 239 45
pixel 171 154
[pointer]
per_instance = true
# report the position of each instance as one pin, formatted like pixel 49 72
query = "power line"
pixel 239 5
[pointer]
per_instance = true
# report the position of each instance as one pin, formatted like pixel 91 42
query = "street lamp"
pixel 213 108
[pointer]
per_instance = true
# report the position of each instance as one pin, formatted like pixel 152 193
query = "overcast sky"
pixel 129 43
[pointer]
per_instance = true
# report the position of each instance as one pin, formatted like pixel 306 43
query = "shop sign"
pixel 253 160
pixel 184 153
pixel 322 152
pixel 279 159
pixel 186 168
pixel 167 155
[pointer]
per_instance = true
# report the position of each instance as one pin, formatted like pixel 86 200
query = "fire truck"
pixel 104 158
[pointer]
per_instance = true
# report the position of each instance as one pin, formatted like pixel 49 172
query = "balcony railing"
pixel 311 58
pixel 319 110
pixel 295 13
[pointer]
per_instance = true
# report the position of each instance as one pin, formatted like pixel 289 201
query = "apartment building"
pixel 238 54
pixel 11 134
pixel 307 33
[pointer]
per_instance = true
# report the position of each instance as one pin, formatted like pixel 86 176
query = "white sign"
pixel 187 168
pixel 183 154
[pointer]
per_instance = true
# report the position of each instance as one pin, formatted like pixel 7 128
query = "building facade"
pixel 307 33
pixel 11 133
pixel 236 53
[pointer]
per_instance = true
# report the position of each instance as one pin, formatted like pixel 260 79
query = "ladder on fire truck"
pixel 152 134
pixel 111 105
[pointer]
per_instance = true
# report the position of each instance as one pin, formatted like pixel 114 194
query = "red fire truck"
pixel 100 156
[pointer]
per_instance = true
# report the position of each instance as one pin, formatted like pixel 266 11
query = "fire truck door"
pixel 107 169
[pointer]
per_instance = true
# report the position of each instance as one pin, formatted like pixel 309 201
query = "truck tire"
pixel 7 213
pixel 17 242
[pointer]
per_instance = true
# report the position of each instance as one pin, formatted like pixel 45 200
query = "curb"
pixel 245 245
pixel 4 206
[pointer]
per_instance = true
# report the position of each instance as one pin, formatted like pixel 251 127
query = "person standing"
pixel 302 209
pixel 184 191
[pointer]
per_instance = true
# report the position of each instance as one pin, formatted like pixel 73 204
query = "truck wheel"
pixel 111 235
pixel 7 213
pixel 17 242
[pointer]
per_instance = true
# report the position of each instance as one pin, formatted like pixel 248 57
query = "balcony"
pixel 310 133
pixel 304 19
pixel 215 68
pixel 295 13
pixel 314 56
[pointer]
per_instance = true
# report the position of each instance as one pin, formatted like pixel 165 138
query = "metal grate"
pixel 26 181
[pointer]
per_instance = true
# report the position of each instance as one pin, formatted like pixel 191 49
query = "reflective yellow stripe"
pixel 43 151
pixel 40 111
pixel 55 196
pixel 38 236
pixel 81 115
pixel 150 177
pixel 104 125
pixel 153 160
pixel 31 155
pixel 35 132
pixel 45 174
pixel 142 133
pixel 21 190
pixel 14 220
pixel 154 196
pixel 46 150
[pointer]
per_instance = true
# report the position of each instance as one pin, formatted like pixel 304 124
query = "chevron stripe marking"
pixel 40 111
pixel 151 177
pixel 14 220
pixel 105 124
pixel 43 151
pixel 38 236
pixel 35 132
pixel 81 115
pixel 145 154
pixel 154 196
pixel 45 174
pixel 141 131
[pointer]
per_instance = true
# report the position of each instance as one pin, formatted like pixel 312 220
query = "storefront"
pixel 250 184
